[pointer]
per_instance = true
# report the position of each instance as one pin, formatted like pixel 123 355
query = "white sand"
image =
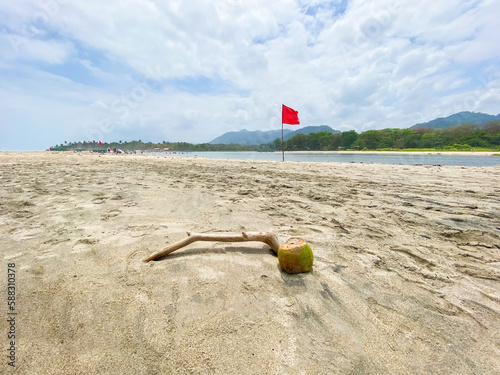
pixel 406 277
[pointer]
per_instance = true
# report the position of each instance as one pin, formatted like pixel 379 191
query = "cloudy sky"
pixel 179 70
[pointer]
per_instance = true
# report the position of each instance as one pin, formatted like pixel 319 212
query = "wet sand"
pixel 406 277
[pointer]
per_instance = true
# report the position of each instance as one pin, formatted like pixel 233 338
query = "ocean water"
pixel 336 157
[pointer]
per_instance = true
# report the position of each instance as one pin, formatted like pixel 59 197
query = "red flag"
pixel 289 116
pixel 100 143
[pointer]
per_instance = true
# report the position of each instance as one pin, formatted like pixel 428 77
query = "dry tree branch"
pixel 268 238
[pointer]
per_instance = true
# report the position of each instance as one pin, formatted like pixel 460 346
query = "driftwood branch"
pixel 268 238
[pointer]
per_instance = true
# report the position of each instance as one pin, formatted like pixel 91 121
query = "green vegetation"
pixel 465 137
pixel 149 146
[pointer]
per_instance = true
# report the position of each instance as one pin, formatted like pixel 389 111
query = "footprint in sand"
pixel 80 249
pixel 99 200
pixel 110 214
pixel 145 229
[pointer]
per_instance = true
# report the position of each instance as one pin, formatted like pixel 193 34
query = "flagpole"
pixel 282 143
pixel 291 117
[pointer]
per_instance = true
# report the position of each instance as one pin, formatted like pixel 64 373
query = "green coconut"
pixel 295 257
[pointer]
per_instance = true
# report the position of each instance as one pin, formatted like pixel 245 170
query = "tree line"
pixel 150 146
pixel 463 137
pixel 458 138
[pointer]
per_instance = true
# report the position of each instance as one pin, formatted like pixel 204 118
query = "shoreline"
pixel 451 153
pixel 460 153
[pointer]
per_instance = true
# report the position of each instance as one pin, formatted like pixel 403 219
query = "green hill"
pixel 474 118
pixel 259 137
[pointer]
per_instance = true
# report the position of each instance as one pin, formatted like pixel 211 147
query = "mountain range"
pixel 474 118
pixel 258 137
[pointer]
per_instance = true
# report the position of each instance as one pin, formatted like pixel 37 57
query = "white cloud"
pixel 183 70
pixel 52 52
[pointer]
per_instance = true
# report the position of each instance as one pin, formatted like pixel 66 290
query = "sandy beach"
pixel 406 278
